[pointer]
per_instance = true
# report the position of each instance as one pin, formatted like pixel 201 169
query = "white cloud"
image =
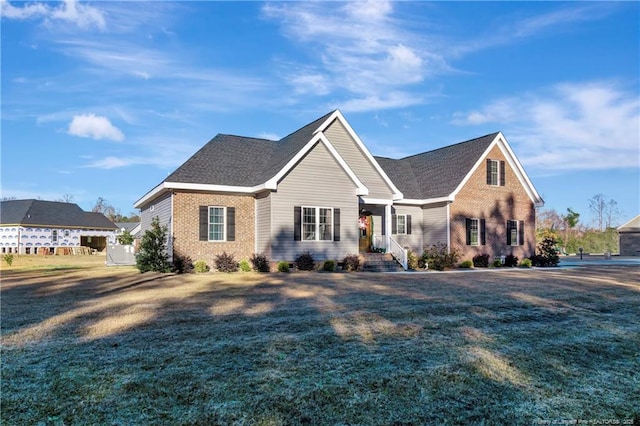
pixel 95 127
pixel 269 136
pixel 362 50
pixel 84 16
pixel 110 163
pixel 593 125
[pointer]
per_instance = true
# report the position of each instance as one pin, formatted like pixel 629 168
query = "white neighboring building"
pixel 31 226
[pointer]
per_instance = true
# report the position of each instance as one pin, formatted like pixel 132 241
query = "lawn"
pixel 98 345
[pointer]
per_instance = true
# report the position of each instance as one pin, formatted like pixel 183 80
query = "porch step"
pixel 379 262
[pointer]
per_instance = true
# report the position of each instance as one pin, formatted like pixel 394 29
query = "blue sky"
pixel 104 99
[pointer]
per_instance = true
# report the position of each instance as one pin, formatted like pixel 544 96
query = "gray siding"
pixel 435 224
pixel 630 244
pixel 318 180
pixel 263 223
pixel 349 151
pixel 413 241
pixel 160 208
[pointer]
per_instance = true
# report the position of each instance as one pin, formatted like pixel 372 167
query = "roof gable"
pixel 50 213
pixel 632 226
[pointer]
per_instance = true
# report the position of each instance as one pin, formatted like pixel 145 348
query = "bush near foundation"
pixel 305 261
pixel 226 263
pixel 260 262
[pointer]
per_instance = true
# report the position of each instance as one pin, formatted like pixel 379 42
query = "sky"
pixel 105 99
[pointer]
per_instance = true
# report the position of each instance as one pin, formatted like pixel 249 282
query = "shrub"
pixel 412 260
pixel 201 266
pixel 547 253
pixel 260 262
pixel 497 263
pixel 466 264
pixel 152 254
pixel 125 238
pixel 8 258
pixel 481 260
pixel 351 262
pixel 439 257
pixel 182 264
pixel 329 265
pixel 511 260
pixel 244 265
pixel 305 261
pixel 226 263
pixel 283 266
pixel 378 250
pixel 525 263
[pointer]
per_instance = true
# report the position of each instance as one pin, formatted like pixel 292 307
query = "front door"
pixel 365 225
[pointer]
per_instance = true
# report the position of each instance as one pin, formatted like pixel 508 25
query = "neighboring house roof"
pixel 630 227
pixel 50 213
pixel 129 226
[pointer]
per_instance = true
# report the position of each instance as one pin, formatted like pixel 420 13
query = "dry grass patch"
pixel 112 346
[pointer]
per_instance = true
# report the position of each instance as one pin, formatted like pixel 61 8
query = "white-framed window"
pixel 474 232
pixel 216 223
pixel 54 236
pixel 514 232
pixel 401 224
pixel 494 172
pixel 317 223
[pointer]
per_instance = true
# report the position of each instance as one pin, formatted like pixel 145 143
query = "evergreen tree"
pixel 152 255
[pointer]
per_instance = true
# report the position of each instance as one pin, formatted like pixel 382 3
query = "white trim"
pixel 368 200
pixel 338 115
pixel 619 228
pixel 165 186
pixel 515 165
pixel 416 202
pixel 405 224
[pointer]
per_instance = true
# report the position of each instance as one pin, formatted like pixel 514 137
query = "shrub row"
pixel 260 263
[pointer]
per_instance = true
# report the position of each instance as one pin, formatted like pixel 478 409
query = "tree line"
pixel 571 233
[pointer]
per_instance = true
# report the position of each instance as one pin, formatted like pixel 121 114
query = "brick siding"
pixel 186 226
pixel 495 204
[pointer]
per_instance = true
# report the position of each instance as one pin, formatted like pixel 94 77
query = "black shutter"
pixel 468 229
pixel 502 174
pixel 297 223
pixel 483 232
pixel 336 224
pixel 509 226
pixel 521 232
pixel 488 172
pixel 231 223
pixel 394 224
pixel 204 223
pixel 408 224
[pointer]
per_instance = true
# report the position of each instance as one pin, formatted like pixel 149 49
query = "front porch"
pixel 374 227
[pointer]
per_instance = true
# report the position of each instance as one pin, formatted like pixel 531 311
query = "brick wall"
pixel 186 226
pixel 495 204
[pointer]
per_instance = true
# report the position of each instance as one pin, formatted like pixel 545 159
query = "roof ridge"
pixel 494 134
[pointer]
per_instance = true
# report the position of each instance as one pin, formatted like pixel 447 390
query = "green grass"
pixel 105 346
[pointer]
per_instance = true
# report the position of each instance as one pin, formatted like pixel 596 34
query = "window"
pixel 495 173
pixel 401 224
pixel 216 223
pixel 476 232
pixel 54 236
pixel 515 232
pixel 317 224
pixel 66 232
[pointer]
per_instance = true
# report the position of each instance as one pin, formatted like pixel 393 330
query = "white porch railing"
pixel 398 252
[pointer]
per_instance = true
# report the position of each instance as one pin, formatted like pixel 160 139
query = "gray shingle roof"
pixel 437 173
pixel 242 161
pixel 50 213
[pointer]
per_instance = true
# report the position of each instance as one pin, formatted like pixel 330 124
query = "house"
pixel 35 226
pixel 629 237
pixel 319 189
pixel 132 227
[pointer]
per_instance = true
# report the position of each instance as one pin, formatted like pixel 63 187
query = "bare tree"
pixel 611 212
pixel 597 205
pixel 101 206
pixel 9 198
pixel 66 198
